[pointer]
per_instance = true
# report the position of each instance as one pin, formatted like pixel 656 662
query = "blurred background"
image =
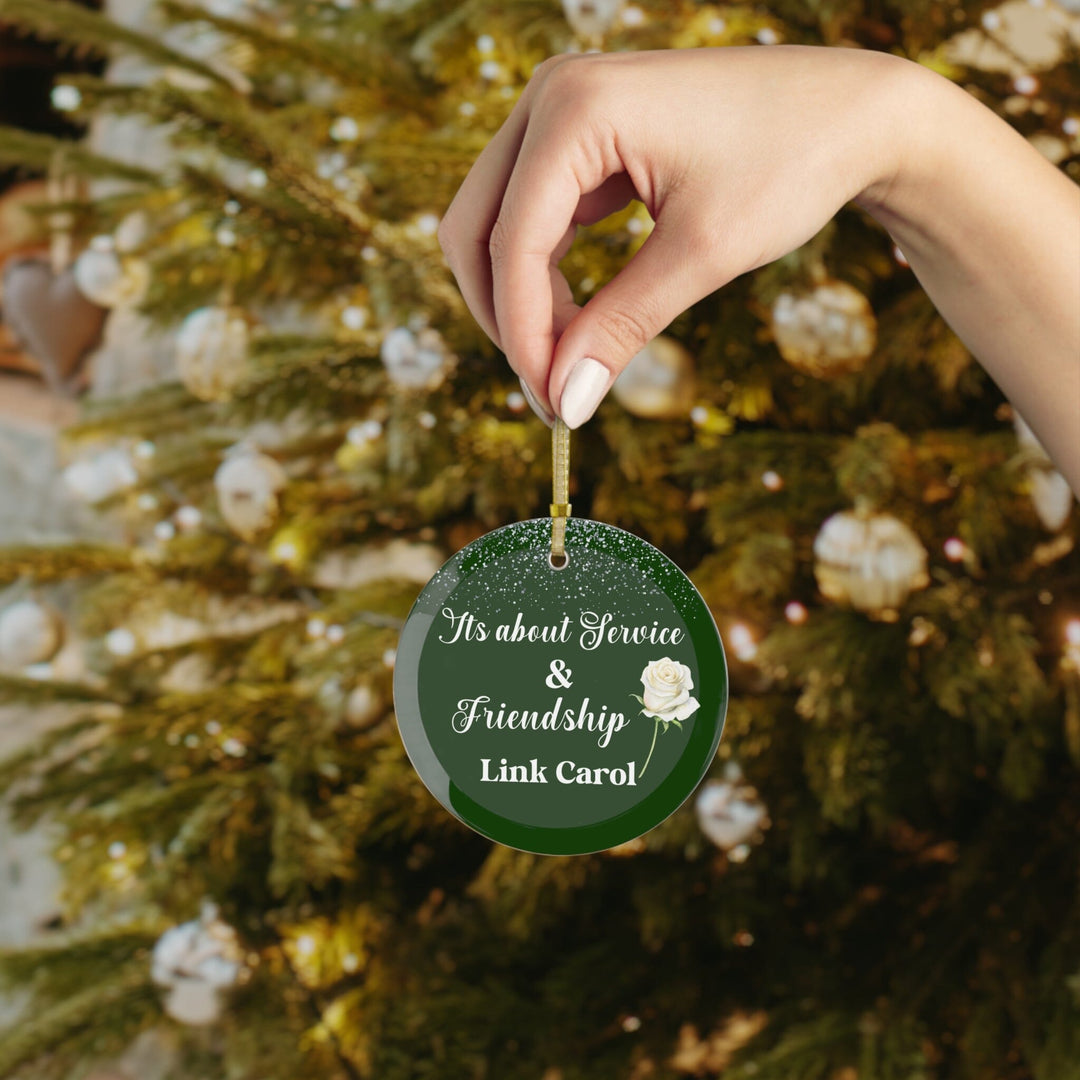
pixel 245 415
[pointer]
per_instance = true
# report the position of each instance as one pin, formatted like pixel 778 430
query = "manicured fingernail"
pixel 535 405
pixel 583 392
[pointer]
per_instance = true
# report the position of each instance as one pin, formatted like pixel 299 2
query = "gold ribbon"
pixel 560 491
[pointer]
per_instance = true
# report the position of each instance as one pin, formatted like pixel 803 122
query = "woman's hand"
pixel 740 155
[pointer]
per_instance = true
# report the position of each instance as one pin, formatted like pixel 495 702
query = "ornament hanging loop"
pixel 560 493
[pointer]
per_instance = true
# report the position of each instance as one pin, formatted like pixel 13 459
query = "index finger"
pixel 538 210
pixel 465 230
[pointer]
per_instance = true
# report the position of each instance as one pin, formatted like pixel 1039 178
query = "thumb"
pixel 668 274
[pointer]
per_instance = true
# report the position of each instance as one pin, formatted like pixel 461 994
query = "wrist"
pixel 911 113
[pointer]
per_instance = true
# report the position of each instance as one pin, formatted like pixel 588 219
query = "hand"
pixel 739 154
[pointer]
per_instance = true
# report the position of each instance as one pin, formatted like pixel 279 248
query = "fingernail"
pixel 583 392
pixel 535 405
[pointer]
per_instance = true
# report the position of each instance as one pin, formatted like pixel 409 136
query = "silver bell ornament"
pixel 30 633
pixel 212 351
pixel 870 561
pixel 247 485
pixel 828 331
pixel 658 382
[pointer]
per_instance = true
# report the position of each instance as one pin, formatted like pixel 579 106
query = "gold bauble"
pixel 247 485
pixel 658 383
pixel 212 351
pixel 828 331
pixel 30 633
pixel 870 561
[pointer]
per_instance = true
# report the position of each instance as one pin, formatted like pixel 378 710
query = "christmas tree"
pixel 879 879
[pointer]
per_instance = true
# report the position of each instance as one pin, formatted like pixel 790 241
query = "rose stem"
pixel 656 728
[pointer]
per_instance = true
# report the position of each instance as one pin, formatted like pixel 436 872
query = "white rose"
pixel 667 690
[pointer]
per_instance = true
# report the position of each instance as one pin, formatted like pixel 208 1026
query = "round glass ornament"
pixel 560 710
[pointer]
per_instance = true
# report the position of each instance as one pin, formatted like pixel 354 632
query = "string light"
pixel 188 517
pixel 428 224
pixel 365 432
pixel 1072 643
pixel 795 613
pixel 1026 84
pixel 772 480
pixel 344 129
pixel 66 98
pixel 354 317
pixel 742 642
pixel 955 549
pixel 120 642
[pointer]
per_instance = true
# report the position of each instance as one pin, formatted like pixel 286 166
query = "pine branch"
pixel 59 562
pixel 370 64
pixel 90 31
pixel 15 688
pixel 123 998
pixel 33 151
pixel 317 1007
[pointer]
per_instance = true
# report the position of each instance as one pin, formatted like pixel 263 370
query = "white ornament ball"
pixel 871 562
pixel 110 280
pixel 592 18
pixel 247 485
pixel 829 331
pixel 121 642
pixel 363 706
pixel 729 813
pixel 414 361
pixel 132 232
pixel 344 129
pixel 658 382
pixel 211 351
pixel 101 476
pixel 1051 496
pixel 196 962
pixel 1050 492
pixel 30 633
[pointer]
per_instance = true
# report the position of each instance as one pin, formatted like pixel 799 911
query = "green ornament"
pixel 560 710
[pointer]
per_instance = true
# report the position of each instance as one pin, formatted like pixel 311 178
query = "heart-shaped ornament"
pixel 48 315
